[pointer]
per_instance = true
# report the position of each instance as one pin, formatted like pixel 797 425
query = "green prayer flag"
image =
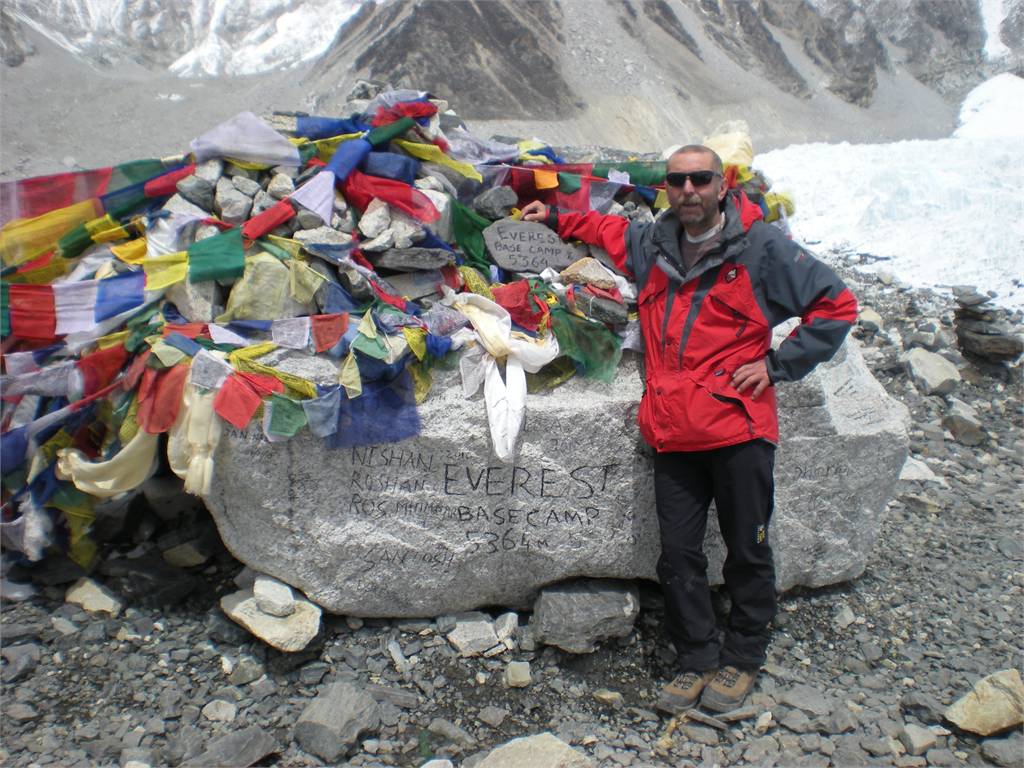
pixel 641 173
pixel 74 242
pixel 594 348
pixel 133 172
pixel 569 182
pixel 287 416
pixel 5 311
pixel 385 133
pixel 469 227
pixel 217 258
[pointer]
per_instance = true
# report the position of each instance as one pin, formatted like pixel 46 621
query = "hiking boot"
pixel 683 692
pixel 728 689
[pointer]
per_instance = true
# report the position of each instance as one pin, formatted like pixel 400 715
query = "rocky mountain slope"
pixel 639 74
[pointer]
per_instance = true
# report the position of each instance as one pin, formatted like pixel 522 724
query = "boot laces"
pixel 728 676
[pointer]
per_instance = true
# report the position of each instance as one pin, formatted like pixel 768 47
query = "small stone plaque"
pixel 526 246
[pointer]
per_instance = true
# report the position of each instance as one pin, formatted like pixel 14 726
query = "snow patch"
pixel 992 14
pixel 936 213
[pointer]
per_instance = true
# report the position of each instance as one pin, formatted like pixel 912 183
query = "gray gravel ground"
pixel 850 666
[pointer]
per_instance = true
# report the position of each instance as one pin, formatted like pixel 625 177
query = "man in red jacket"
pixel 712 282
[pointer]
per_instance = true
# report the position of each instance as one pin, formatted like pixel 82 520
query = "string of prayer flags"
pixel 327 330
pixel 286 418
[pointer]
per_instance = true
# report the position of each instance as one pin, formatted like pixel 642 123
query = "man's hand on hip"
pixel 754 375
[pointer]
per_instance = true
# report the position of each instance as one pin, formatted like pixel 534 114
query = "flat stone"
pixel 493 716
pixel 93 597
pixel 248 187
pixel 416 285
pixel 247 669
pixel 178 204
pixel 382 242
pixel 526 246
pixel 995 704
pixel 916 739
pixel 291 633
pixel 450 528
pixel 588 271
pixel 410 259
pixel 220 711
pixel 575 616
pixel 321 234
pixel 808 699
pixel 452 732
pixel 20 712
pixel 306 219
pixel 495 203
pixel 517 674
pixel 473 634
pixel 334 720
pixel 932 374
pixel 272 596
pixel 541 751
pixel 701 734
pixel 601 309
pixel 238 749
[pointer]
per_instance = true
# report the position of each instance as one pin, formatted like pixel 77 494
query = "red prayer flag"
pixel 262 223
pixel 614 294
pixel 237 400
pixel 28 198
pixel 360 189
pixel 33 314
pixel 135 371
pixel 99 368
pixel 160 398
pixel 167 183
pixel 413 109
pixel 327 329
pixel 525 309
pixel 191 330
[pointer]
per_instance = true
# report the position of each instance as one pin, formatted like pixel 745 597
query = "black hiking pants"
pixel 740 480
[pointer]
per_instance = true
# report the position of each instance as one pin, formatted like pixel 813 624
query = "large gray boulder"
pixel 437 524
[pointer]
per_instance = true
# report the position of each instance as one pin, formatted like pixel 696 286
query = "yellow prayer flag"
pixel 349 376
pixel 417 340
pixel 23 239
pixel 422 380
pixel 545 179
pixel 294 247
pixel 304 282
pixel 433 154
pixel 165 270
pixel 132 252
pixel 112 339
pixel 661 200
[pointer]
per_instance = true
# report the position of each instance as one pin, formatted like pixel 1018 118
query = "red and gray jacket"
pixel 700 325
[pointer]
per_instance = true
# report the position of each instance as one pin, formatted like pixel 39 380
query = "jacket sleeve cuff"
pixel 776 372
pixel 552 218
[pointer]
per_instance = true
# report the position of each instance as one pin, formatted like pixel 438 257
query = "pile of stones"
pixel 983 330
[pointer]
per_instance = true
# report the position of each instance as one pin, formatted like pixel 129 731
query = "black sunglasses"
pixel 697 178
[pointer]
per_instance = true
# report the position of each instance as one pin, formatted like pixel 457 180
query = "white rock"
pixel 541 751
pixel 517 674
pixel 995 704
pixel 506 625
pixel 405 230
pixel 324 234
pixel 280 186
pixel 93 597
pixel 375 219
pixel 915 469
pixel 932 374
pixel 291 633
pixel 220 711
pixel 844 617
pixel 273 597
pixel 473 634
pixel 870 320
pixel 381 242
pixel 443 226
pixel 453 528
pixel 916 739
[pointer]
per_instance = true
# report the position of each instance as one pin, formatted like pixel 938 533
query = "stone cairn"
pixel 983 330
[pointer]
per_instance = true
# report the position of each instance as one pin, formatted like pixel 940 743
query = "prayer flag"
pixel 217 258
pixel 119 293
